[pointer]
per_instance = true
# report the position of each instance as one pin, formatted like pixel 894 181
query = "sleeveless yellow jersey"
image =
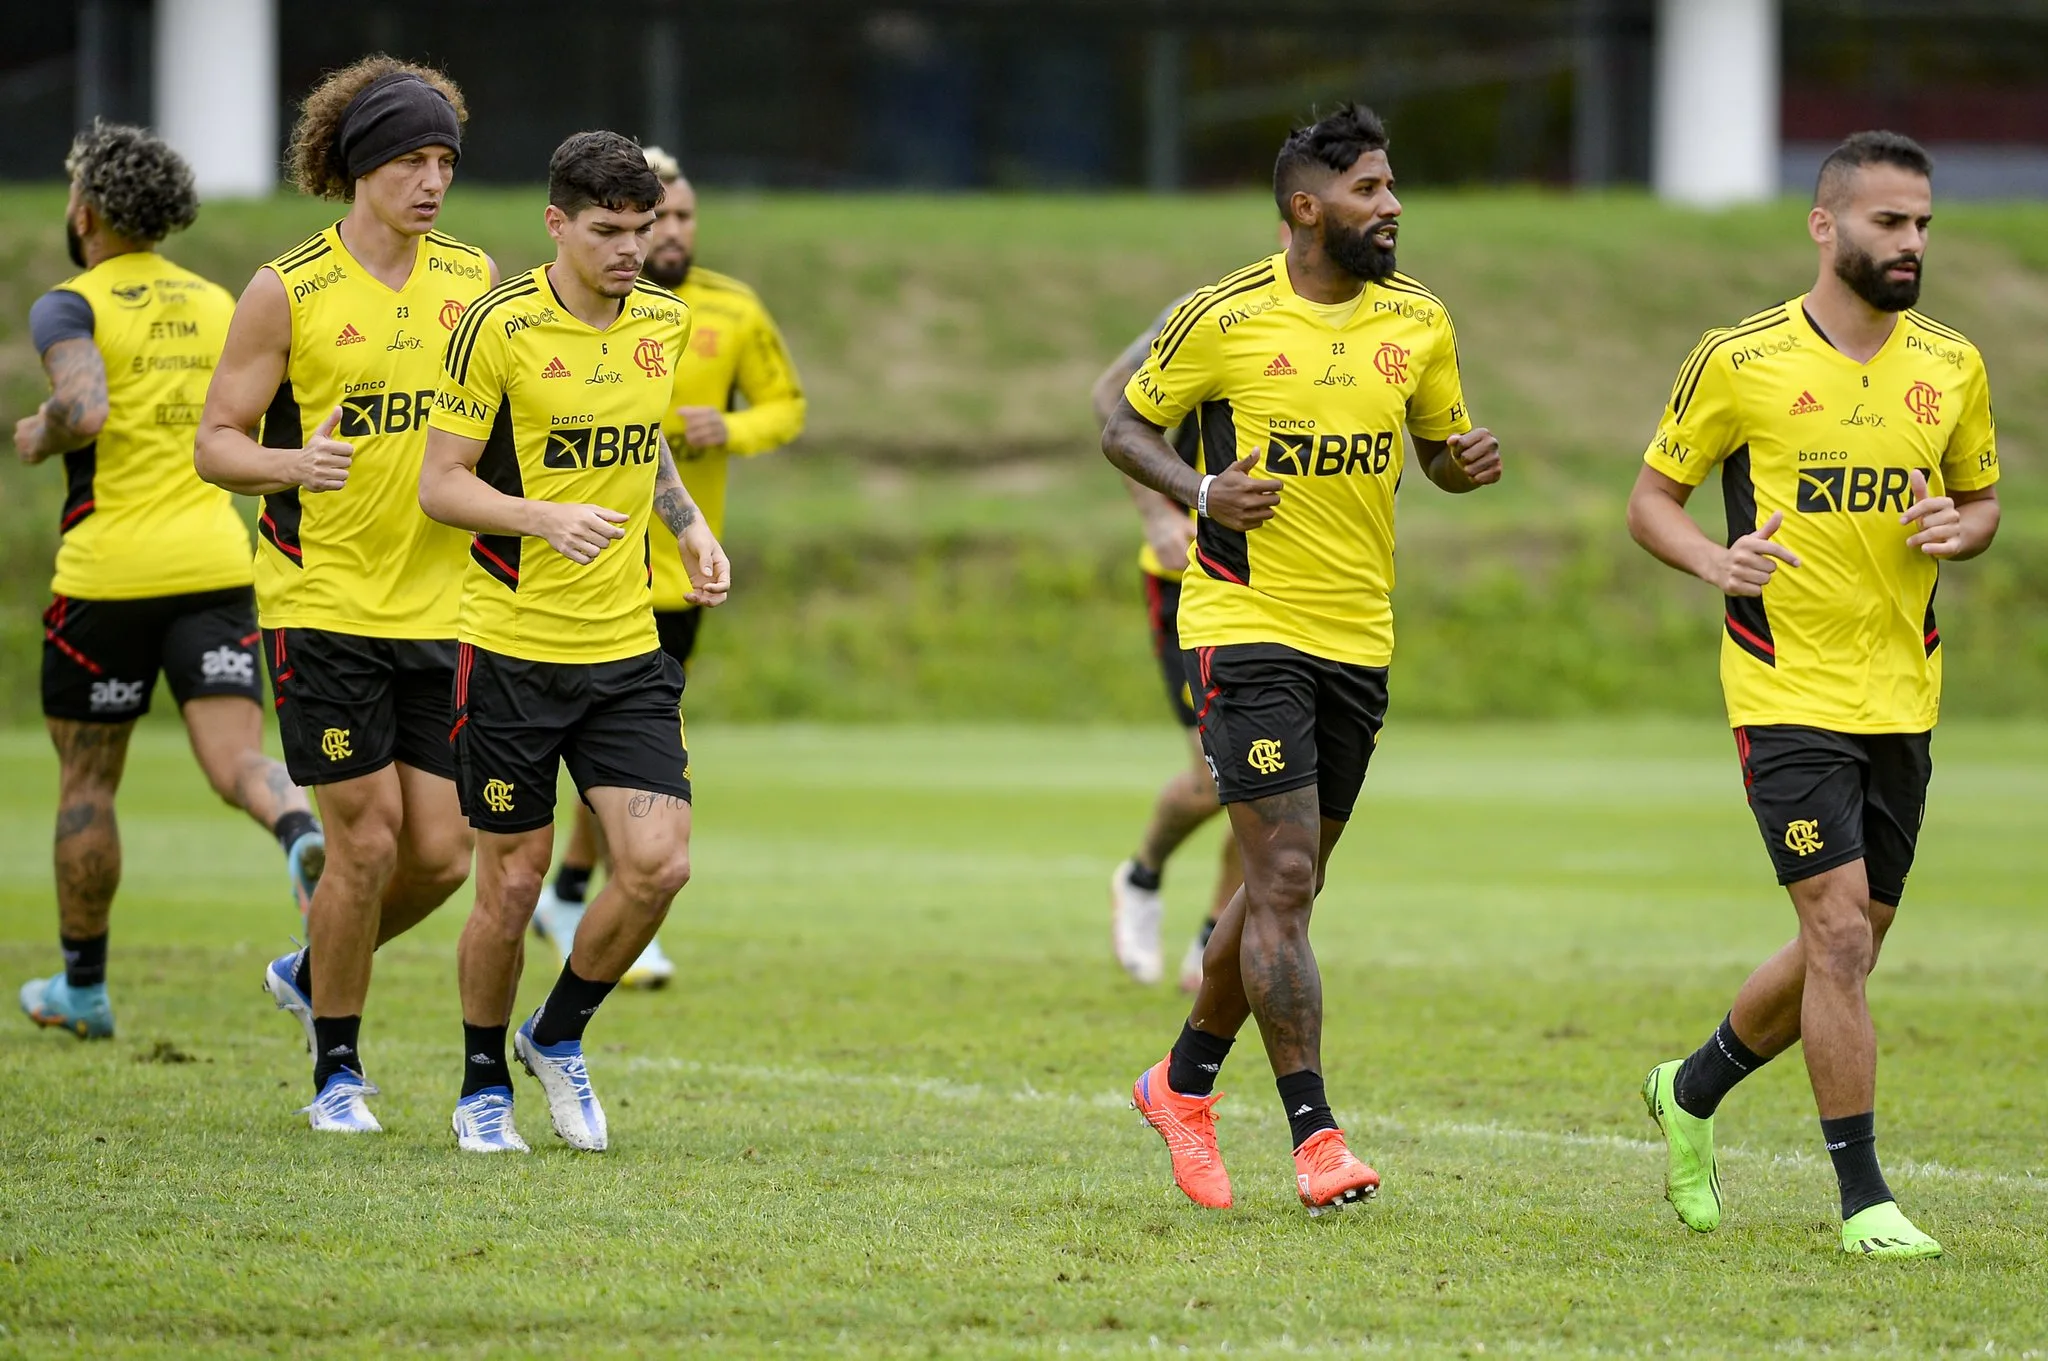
pixel 364 559
pixel 138 521
pixel 566 413
pixel 735 352
pixel 1323 406
pixel 1186 440
pixel 1847 640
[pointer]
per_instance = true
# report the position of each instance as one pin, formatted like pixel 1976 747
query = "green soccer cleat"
pixel 1692 1181
pixel 1884 1231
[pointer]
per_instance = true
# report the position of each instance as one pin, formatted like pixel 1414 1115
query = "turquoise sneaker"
pixel 1884 1231
pixel 54 1003
pixel 1692 1180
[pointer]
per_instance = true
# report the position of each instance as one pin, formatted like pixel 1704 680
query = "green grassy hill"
pixel 946 541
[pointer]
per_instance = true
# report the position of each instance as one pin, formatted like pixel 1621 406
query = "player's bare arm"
pixel 703 558
pixel 74 413
pixel 1462 463
pixel 1955 527
pixel 1658 521
pixel 451 492
pixel 1167 528
pixel 1236 500
pixel 703 427
pixel 252 365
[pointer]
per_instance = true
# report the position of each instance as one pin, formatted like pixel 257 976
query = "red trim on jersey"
pixel 1753 639
pixel 1218 568
pixel 77 513
pixel 276 540
pixel 478 545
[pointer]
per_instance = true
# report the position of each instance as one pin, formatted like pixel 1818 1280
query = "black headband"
pixel 395 114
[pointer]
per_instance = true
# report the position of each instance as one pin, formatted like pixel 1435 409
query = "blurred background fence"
pixel 960 211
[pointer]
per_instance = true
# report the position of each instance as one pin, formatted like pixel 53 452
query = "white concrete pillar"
pixel 1715 134
pixel 216 91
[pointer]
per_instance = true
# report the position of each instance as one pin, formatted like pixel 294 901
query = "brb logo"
pixel 602 446
pixel 384 413
pixel 116 696
pixel 1330 455
pixel 1923 399
pixel 1825 490
pixel 1392 362
pixel 647 354
pixel 228 664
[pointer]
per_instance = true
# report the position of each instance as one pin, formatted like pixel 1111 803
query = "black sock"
pixel 85 960
pixel 334 1047
pixel 1712 1071
pixel 1140 877
pixel 1197 1058
pixel 302 975
pixel 483 1061
pixel 572 882
pixel 1208 930
pixel 1308 1110
pixel 569 1008
pixel 293 825
pixel 1852 1144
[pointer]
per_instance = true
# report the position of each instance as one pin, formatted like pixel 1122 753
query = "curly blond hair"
pixel 317 165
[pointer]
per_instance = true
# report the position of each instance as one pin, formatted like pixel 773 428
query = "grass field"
pixel 881 1112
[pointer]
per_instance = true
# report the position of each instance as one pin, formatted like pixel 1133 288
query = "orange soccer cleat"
pixel 1328 1176
pixel 1188 1124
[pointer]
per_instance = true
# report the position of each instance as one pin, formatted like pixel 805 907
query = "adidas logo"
pixel 339 1051
pixel 555 369
pixel 1302 1109
pixel 349 335
pixel 1279 368
pixel 485 1059
pixel 1806 405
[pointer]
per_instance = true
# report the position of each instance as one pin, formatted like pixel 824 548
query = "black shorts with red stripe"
pixel 1162 610
pixel 1275 719
pixel 517 722
pixel 101 658
pixel 1823 799
pixel 350 705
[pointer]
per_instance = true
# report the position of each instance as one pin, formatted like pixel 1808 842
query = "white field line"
pixel 945 1089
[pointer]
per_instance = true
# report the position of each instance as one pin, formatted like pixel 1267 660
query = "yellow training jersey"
pixel 1323 407
pixel 138 521
pixel 735 352
pixel 1847 640
pixel 566 413
pixel 364 559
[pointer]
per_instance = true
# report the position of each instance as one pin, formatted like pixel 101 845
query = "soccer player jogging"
pixel 736 355
pixel 1187 800
pixel 1302 370
pixel 334 353
pixel 153 565
pixel 546 443
pixel 1857 452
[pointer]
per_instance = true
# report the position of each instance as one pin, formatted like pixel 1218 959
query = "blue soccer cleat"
pixel 54 1003
pixel 280 980
pixel 307 861
pixel 339 1108
pixel 562 1075
pixel 483 1123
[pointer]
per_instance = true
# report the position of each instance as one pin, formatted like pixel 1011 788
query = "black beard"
pixel 661 274
pixel 1357 253
pixel 1866 278
pixel 73 244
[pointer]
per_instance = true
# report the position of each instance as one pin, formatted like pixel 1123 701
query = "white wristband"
pixel 1202 496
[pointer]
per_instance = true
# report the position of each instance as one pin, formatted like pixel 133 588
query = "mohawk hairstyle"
pixel 1333 142
pixel 1859 149
pixel 139 187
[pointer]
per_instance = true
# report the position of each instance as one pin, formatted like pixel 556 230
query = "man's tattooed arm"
pixel 76 410
pixel 671 499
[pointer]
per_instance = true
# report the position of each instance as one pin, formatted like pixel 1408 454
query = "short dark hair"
pixel 1860 149
pixel 1333 142
pixel 141 189
pixel 602 170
